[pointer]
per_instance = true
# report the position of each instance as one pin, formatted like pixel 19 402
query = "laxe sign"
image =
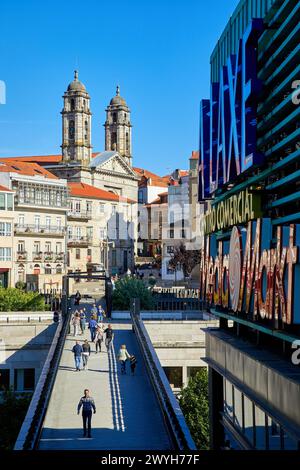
pixel 228 119
pixel 253 274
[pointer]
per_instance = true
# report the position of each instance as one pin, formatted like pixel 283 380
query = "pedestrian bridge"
pixel 133 412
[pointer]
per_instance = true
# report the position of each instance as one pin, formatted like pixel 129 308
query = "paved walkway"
pixel 127 416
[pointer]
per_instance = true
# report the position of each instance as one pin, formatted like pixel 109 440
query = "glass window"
pixel 174 376
pixel 48 269
pixel 238 409
pixel 274 434
pixel 228 401
pixel 10 202
pixel 2 201
pixel 24 379
pixel 77 253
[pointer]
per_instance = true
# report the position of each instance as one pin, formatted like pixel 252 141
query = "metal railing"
pixel 174 419
pixel 40 229
pixel 29 434
pixel 79 215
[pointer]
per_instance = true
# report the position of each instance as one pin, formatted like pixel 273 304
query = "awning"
pixel 4 270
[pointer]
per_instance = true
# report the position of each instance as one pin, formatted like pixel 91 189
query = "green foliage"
pixel 194 405
pixel 129 288
pixel 13 300
pixel 12 413
pixel 20 285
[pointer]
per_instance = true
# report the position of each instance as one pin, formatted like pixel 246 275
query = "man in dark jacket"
pixel 109 336
pixel 77 351
pixel 88 405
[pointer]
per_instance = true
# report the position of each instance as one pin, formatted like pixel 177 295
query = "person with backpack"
pixel 93 327
pixel 123 355
pixel 86 351
pixel 109 336
pixel 88 406
pixel 77 351
pixel 98 338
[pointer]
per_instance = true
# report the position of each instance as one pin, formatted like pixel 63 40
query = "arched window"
pixel 71 129
pixel 86 128
pixel 114 117
pixel 72 104
pixel 127 141
pixel 48 269
pixel 36 269
pixel 59 269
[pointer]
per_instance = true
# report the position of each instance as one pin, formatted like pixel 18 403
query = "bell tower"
pixel 76 125
pixel 118 127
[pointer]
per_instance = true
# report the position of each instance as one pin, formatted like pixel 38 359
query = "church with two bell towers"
pixel 110 169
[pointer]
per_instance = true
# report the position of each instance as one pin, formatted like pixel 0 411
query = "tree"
pixel 194 405
pixel 14 299
pixel 12 413
pixel 129 288
pixel 187 259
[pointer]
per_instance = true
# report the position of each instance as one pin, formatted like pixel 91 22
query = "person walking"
pixel 86 352
pixel 109 336
pixel 133 363
pixel 92 328
pixel 122 357
pixel 82 321
pixel 77 297
pixel 100 314
pixel 77 351
pixel 94 311
pixel 76 323
pixel 98 338
pixel 88 406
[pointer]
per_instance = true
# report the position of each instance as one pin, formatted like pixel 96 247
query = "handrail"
pixel 170 408
pixel 30 431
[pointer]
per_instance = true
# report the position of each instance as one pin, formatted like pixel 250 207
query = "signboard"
pixel 228 119
pixel 252 273
pixel 237 209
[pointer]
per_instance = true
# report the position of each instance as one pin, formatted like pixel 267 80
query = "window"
pixel 78 233
pixel 89 206
pixel 4 379
pixel 89 232
pixel 114 117
pixel 48 269
pixel 72 105
pixel 21 246
pixel 24 379
pixel 36 247
pixel 71 129
pixel 10 202
pixel 48 222
pixel 77 206
pixel 48 247
pixel 70 233
pixel 113 210
pixel 113 140
pixel 2 201
pixel 36 269
pixel 58 223
pixel 5 229
pixel 58 269
pixel 86 130
pixel 5 254
pixel 174 376
pixel 101 208
pixel 140 196
pixel 37 221
pixel 170 249
pixel 127 141
pixel 38 197
pixel 101 233
pixel 58 247
pixel 21 221
pixel 77 253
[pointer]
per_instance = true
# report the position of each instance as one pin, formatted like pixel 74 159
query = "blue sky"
pixel 157 50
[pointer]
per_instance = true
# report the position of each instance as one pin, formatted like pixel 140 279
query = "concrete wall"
pixel 180 343
pixel 25 344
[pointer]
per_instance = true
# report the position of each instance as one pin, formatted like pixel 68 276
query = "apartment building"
pixel 6 237
pixel 99 230
pixel 39 234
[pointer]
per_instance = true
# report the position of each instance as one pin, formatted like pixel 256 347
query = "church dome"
pixel 118 100
pixel 76 85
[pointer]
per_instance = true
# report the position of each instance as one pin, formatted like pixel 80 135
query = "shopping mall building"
pixel 249 182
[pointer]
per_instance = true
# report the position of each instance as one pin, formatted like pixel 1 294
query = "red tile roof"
pixel 151 179
pixel 44 159
pixel 24 168
pixel 88 191
pixel 4 188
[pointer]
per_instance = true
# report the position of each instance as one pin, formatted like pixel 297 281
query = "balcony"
pixel 82 215
pixel 80 242
pixel 42 230
pixel 47 256
pixel 21 255
pixel 37 256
